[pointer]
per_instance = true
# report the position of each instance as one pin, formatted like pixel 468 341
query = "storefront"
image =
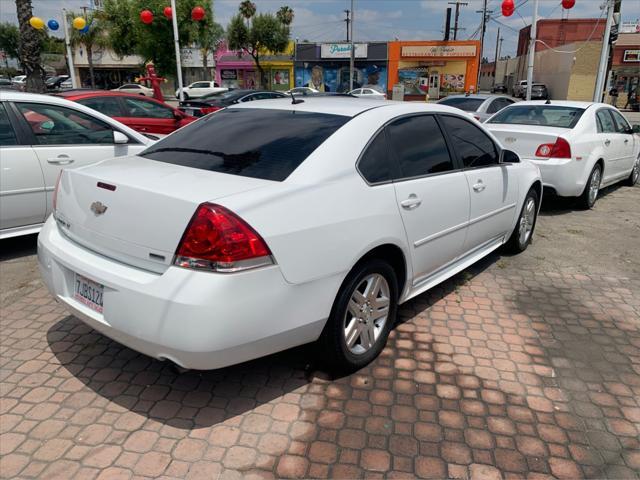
pixel 625 69
pixel 439 68
pixel 325 66
pixel 279 69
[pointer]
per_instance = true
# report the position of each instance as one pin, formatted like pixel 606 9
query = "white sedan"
pixel 200 89
pixel 580 147
pixel 40 135
pixel 213 247
pixel 369 93
pixel 135 88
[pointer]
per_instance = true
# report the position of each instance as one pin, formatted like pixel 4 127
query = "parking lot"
pixel 521 366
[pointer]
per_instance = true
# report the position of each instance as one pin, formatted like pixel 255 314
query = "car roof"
pixel 479 96
pixel 558 103
pixel 78 94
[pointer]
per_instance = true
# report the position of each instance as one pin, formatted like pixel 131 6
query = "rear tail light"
pixel 560 149
pixel 216 239
pixel 207 110
pixel 55 191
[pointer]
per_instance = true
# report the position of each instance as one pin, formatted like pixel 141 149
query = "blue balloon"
pixel 85 29
pixel 53 25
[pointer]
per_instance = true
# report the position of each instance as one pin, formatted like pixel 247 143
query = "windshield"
pixel 547 115
pixel 258 143
pixel 464 103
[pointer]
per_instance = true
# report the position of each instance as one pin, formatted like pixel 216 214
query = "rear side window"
pixel 419 146
pixel 463 103
pixel 7 135
pixel 257 143
pixel 474 147
pixel 375 164
pixel 547 115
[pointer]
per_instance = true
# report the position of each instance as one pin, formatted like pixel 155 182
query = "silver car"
pixel 480 106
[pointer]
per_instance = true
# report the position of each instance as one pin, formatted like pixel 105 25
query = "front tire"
pixel 591 189
pixel 523 232
pixel 635 173
pixel 361 318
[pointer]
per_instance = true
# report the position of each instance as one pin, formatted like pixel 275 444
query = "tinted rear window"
pixel 463 103
pixel 547 115
pixel 258 143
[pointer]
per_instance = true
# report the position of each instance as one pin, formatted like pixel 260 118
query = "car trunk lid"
pixel 525 139
pixel 135 210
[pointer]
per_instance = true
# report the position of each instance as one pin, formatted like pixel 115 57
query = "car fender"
pixel 527 174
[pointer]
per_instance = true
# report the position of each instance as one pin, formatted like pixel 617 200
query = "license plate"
pixel 88 292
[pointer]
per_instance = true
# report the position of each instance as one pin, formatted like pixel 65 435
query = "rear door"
pixel 612 143
pixel 147 116
pixel 493 189
pixel 22 192
pixel 432 194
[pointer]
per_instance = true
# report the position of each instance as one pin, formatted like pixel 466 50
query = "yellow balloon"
pixel 79 23
pixel 37 23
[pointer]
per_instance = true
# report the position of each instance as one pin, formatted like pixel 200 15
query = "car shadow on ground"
pixel 17 247
pixel 553 205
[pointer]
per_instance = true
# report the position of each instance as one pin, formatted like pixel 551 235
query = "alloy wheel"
pixel 594 186
pixel 527 219
pixel 636 171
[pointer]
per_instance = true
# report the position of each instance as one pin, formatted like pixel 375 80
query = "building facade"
pixel 557 32
pixel 625 67
pixel 438 68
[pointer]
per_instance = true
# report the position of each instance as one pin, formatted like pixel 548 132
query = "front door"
pixel 148 116
pixel 434 85
pixel 612 145
pixel 492 189
pixel 432 195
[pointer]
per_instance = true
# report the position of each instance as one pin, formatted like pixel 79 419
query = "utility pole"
pixel 353 50
pixel 457 3
pixel 604 54
pixel 495 60
pixel 176 41
pixel 347 21
pixel 67 42
pixel 447 25
pixel 484 12
pixel 532 48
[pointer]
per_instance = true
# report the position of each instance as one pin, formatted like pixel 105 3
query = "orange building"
pixel 438 67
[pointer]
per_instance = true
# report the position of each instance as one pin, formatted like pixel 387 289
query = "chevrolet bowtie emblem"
pixel 98 208
pixel 510 139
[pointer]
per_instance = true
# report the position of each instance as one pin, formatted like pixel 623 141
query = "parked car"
pixel 200 89
pixel 6 84
pixel 53 83
pixel 481 107
pixel 19 81
pixel 66 85
pixel 368 93
pixel 145 115
pixel 302 91
pixel 519 88
pixel 579 147
pixel 216 101
pixel 273 224
pixel 40 135
pixel 499 88
pixel 135 88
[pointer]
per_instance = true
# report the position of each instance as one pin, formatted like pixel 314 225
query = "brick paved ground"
pixel 508 370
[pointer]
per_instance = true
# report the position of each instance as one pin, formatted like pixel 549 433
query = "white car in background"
pixel 580 147
pixel 479 106
pixel 19 80
pixel 199 89
pixel 302 91
pixel 39 136
pixel 215 246
pixel 135 88
pixel 369 93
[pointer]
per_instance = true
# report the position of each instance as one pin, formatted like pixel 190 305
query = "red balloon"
pixel 568 4
pixel 168 12
pixel 198 13
pixel 508 7
pixel 146 16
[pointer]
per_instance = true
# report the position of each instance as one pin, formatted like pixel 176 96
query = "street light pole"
pixel 67 42
pixel 353 52
pixel 604 54
pixel 532 48
pixel 176 40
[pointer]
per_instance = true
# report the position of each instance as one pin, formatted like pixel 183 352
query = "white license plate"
pixel 88 292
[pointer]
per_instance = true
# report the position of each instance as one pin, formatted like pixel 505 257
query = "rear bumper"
pixel 563 175
pixel 196 319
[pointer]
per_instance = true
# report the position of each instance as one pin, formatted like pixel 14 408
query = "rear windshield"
pixel 548 115
pixel 466 104
pixel 257 143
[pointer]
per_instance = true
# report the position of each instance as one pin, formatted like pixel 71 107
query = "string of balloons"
pixel 78 23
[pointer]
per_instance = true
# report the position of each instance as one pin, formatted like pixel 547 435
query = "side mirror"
pixel 119 137
pixel 635 128
pixel 178 115
pixel 507 156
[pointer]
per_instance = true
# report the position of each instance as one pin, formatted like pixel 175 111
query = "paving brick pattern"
pixel 497 374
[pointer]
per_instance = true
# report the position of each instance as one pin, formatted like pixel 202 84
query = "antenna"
pixel 294 100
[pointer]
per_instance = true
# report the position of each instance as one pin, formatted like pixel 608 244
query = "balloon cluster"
pixel 78 23
pixel 146 16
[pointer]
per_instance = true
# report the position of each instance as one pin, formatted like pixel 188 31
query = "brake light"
pixel 560 149
pixel 217 239
pixel 55 191
pixel 207 110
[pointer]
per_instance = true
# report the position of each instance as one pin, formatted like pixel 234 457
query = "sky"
pixel 323 20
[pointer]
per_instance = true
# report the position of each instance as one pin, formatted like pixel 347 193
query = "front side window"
pixel 622 126
pixel 474 147
pixel 7 134
pixel 279 141
pixel 109 106
pixel 131 85
pixel 419 146
pixel 375 163
pixel 56 125
pixel 146 109
pixel 605 122
pixel 547 115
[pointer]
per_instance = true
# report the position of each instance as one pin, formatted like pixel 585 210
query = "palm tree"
pixel 30 48
pixel 285 15
pixel 93 37
pixel 247 9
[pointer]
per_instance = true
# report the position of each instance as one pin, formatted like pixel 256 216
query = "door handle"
pixel 478 187
pixel 607 142
pixel 60 160
pixel 412 202
pixel 626 140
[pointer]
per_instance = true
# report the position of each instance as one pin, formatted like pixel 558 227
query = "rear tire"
pixel 523 232
pixel 635 173
pixel 361 318
pixel 591 189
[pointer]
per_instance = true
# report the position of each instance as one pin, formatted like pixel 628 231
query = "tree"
pixel 93 37
pixel 29 52
pixel 208 36
pixel 10 40
pixel 257 33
